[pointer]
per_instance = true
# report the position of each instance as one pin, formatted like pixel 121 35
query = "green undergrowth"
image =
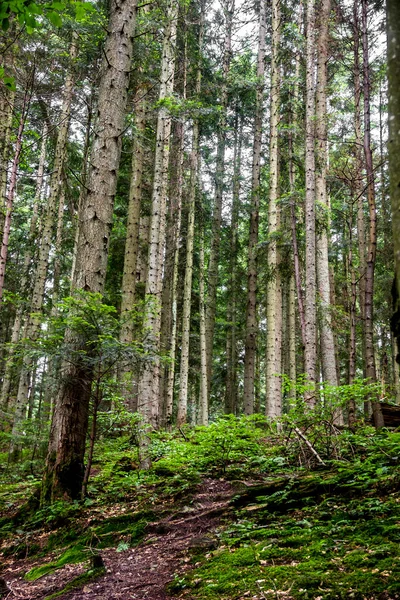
pixel 324 534
pixel 304 524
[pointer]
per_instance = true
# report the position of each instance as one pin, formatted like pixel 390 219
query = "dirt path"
pixel 140 573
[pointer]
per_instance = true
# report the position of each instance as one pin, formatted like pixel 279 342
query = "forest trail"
pixel 140 573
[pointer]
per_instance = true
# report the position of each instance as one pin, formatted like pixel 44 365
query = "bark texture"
pixel 273 405
pixel 393 38
pixel 251 310
pixel 327 342
pixel 148 389
pixel 310 354
pixel 65 461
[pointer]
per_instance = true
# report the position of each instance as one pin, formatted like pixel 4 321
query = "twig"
pixel 309 445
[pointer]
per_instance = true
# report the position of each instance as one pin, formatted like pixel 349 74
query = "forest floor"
pixel 136 573
pixel 228 513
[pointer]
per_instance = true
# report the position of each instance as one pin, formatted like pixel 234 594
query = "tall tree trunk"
pixel 7 99
pixel 371 254
pixel 13 184
pixel 203 350
pixel 187 285
pixel 393 39
pixel 251 310
pixel 64 466
pixel 229 7
pixel 358 179
pixel 149 376
pixel 327 342
pixel 171 277
pixel 310 354
pixel 231 341
pixel 273 405
pixel 128 288
pixel 7 379
pixel 40 277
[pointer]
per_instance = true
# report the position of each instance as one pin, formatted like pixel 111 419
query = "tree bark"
pixel 273 382
pixel 8 373
pixel 9 205
pixel 187 285
pixel 310 354
pixel 328 358
pixel 49 223
pixel 148 405
pixel 251 309
pixel 393 55
pixel 371 254
pixel 64 466
pixel 229 7
pixel 231 391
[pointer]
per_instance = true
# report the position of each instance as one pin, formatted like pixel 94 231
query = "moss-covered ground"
pixel 294 528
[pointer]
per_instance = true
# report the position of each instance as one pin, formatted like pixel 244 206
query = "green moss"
pixel 72 555
pixel 334 549
pixel 78 582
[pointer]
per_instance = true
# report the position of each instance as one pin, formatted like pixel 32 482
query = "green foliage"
pixel 29 13
pixel 320 535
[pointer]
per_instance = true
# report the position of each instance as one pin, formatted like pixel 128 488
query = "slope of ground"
pixel 225 513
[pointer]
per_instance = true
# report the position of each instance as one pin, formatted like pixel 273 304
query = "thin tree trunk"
pixel 64 466
pixel 168 375
pixel 358 179
pixel 231 341
pixel 212 280
pixel 292 139
pixel 310 354
pixel 327 342
pixel 12 187
pixel 203 348
pixel 393 38
pixel 292 372
pixel 149 377
pixel 129 277
pixel 187 286
pixel 371 255
pixel 273 405
pixel 7 379
pixel 56 181
pixel 251 310
pixel 6 119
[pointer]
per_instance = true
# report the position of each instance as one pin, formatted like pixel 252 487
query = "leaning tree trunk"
pixel 273 383
pixel 393 38
pixel 251 309
pixel 371 254
pixel 148 389
pixel 64 466
pixel 310 352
